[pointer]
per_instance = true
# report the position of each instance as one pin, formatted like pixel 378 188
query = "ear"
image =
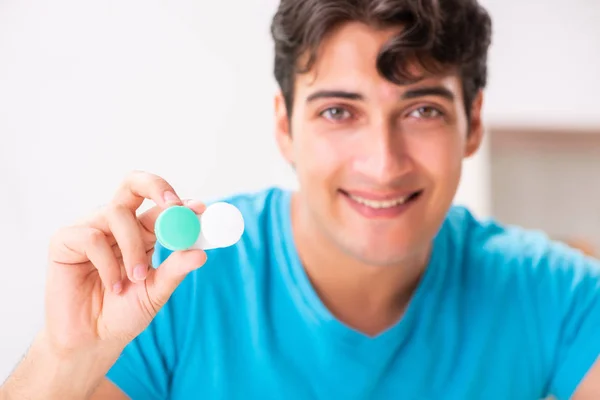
pixel 283 132
pixel 475 127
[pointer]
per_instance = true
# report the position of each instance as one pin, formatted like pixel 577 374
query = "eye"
pixel 426 113
pixel 336 114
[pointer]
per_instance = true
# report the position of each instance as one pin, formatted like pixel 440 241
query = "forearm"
pixel 45 374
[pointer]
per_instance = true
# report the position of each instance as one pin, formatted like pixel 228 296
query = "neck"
pixel 366 297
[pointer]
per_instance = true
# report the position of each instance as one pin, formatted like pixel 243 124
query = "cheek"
pixel 439 156
pixel 319 156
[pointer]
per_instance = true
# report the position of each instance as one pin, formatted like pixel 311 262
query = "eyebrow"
pixel 407 95
pixel 439 91
pixel 337 94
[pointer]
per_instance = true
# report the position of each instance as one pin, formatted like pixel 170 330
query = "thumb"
pixel 163 281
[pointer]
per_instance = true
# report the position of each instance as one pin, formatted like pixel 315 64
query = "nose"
pixel 382 156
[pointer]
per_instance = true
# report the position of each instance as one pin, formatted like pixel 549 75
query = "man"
pixel 364 284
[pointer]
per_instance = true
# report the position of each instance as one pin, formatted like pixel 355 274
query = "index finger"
pixel 139 186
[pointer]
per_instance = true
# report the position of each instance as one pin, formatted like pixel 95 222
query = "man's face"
pixel 378 164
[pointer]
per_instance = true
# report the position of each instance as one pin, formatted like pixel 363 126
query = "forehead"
pixel 347 57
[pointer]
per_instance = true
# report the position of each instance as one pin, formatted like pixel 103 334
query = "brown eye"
pixel 426 113
pixel 336 114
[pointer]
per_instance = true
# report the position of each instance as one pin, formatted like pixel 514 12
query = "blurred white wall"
pixel 544 72
pixel 545 63
pixel 91 90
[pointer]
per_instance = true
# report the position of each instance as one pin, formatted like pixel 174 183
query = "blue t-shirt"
pixel 500 313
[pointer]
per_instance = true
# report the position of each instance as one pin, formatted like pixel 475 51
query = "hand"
pixel 101 289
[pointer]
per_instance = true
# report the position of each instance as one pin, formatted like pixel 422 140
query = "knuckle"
pixel 157 182
pixel 114 211
pixel 128 180
pixel 95 237
pixel 133 255
pixel 58 236
pixel 150 182
pixel 133 178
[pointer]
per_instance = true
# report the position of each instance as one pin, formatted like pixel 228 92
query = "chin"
pixel 389 260
pixel 386 253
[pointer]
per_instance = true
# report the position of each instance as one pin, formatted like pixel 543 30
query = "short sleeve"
pixel 577 292
pixel 144 369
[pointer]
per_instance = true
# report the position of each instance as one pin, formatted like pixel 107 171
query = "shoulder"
pixel 542 294
pixel 490 239
pixel 522 258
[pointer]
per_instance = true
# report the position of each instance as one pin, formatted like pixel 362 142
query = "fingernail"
pixel 194 203
pixel 117 287
pixel 139 272
pixel 170 197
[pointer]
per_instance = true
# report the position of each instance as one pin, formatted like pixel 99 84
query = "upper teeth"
pixel 380 204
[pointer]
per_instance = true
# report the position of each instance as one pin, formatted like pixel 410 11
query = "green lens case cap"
pixel 177 228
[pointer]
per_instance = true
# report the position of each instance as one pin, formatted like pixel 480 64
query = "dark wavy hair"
pixel 440 35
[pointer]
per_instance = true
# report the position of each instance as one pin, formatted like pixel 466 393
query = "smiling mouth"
pixel 385 203
pixel 382 204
